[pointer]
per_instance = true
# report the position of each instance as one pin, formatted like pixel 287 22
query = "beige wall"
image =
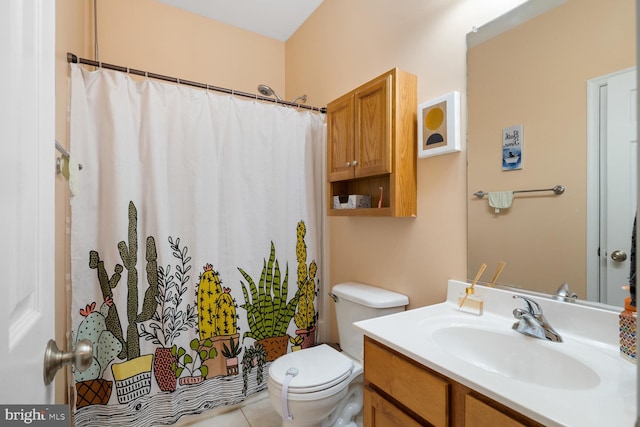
pixel 342 45
pixel 152 36
pixel 536 75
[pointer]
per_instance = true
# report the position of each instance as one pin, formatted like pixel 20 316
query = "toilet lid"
pixel 319 368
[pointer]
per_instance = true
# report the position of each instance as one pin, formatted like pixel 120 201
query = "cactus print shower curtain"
pixel 195 245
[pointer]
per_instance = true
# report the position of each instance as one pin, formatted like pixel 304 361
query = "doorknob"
pixel 54 358
pixel 618 256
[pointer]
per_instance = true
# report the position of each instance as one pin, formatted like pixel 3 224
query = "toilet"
pixel 321 386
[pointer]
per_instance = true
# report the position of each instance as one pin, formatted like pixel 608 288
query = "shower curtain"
pixel 195 245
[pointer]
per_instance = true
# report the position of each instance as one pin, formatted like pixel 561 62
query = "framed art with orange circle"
pixel 439 126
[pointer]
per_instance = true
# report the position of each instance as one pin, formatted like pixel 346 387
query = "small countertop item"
pixel 469 290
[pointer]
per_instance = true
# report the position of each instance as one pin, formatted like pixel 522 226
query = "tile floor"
pixel 256 412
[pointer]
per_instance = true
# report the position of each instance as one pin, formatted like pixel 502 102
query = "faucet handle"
pixel 532 306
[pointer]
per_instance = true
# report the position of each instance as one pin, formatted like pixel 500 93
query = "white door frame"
pixel 596 100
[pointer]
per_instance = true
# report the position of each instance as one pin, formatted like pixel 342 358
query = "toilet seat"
pixel 319 368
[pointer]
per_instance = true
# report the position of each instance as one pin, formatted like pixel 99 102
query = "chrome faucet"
pixel 564 294
pixel 532 322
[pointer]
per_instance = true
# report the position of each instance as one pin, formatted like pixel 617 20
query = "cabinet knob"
pixel 348 164
pixel 355 163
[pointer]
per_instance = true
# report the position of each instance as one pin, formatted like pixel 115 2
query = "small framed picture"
pixel 439 126
pixel 512 140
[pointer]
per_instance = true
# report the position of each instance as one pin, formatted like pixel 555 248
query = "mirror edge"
pixel 582 302
pixel 518 15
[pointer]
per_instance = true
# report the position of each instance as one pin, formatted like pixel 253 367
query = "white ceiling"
pixel 277 19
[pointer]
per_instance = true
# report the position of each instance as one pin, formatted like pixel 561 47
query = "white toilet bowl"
pixel 320 386
pixel 326 389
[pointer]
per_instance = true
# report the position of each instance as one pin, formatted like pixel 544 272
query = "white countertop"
pixel 590 336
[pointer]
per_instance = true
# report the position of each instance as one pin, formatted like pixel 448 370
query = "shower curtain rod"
pixel 71 58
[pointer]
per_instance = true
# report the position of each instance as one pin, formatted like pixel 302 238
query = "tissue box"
pixel 352 201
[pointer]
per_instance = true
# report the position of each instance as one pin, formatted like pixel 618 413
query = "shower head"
pixel 267 91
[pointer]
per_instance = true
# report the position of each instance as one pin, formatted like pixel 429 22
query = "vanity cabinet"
pixel 371 144
pixel 400 392
pixel 381 412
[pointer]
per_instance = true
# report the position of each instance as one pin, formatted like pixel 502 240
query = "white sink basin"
pixel 582 381
pixel 516 356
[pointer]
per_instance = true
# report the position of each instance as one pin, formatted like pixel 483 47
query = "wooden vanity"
pixel 400 392
pixel 437 366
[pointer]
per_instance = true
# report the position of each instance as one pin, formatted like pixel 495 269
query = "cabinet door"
pixel 480 414
pixel 373 127
pixel 413 386
pixel 340 116
pixel 379 412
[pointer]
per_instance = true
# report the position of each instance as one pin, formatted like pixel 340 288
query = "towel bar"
pixel 65 154
pixel 558 189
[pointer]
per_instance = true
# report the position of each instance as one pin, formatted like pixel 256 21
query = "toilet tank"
pixel 358 301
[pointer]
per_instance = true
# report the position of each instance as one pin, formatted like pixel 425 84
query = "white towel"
pixel 74 169
pixel 500 199
pixel 70 169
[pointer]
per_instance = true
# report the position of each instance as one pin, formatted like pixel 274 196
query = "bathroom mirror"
pixel 546 72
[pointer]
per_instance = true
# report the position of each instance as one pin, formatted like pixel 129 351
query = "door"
pixel 340 143
pixel 619 191
pixel 27 216
pixel 373 134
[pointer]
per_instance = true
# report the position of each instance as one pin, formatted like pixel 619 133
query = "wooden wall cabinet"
pixel 400 392
pixel 371 143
